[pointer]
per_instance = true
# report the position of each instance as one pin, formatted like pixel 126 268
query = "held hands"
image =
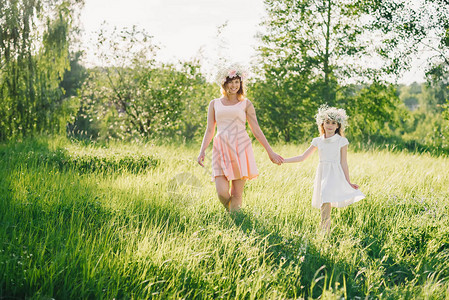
pixel 276 158
pixel 201 158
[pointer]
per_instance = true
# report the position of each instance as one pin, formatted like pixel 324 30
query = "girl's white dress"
pixel 331 185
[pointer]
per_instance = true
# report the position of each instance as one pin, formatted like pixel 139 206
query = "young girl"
pixel 332 187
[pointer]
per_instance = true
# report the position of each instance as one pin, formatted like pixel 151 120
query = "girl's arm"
pixel 301 157
pixel 344 165
pixel 209 134
pixel 254 125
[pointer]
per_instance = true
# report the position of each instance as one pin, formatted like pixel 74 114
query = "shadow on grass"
pixel 399 263
pixel 51 218
pixel 397 144
pixel 318 270
pixel 37 153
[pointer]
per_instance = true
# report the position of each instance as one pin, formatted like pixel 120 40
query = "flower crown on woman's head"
pixel 331 113
pixel 231 71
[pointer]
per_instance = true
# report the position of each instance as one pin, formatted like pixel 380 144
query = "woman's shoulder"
pixel 316 141
pixel 342 137
pixel 343 141
pixel 213 101
pixel 248 103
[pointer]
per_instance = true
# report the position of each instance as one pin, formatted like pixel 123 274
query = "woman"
pixel 232 155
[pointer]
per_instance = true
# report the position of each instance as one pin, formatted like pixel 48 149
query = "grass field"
pixel 131 221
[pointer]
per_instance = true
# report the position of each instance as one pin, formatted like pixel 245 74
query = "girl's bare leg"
pixel 222 187
pixel 326 217
pixel 236 194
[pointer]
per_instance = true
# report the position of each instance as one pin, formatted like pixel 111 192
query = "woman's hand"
pixel 354 186
pixel 276 158
pixel 201 158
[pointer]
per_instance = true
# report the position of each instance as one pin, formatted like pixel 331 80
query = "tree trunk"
pixel 326 68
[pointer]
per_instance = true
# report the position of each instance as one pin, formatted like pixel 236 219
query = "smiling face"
pixel 233 86
pixel 330 126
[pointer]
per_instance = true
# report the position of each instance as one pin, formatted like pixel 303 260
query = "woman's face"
pixel 330 126
pixel 233 86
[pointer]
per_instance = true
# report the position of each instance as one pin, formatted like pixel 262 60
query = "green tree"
pixel 374 111
pixel 34 50
pixel 438 84
pixel 283 104
pixel 321 38
pixel 411 28
pixel 74 77
pixel 416 28
pixel 132 96
pixel 410 95
pixel 310 48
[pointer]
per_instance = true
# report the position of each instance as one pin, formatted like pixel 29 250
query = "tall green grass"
pixel 137 221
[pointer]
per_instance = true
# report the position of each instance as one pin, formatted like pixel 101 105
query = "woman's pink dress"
pixel 232 154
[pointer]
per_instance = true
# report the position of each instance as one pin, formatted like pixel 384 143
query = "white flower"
pixel 331 113
pixel 231 71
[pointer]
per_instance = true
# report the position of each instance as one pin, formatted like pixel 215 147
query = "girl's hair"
pixel 240 93
pixel 334 114
pixel 340 130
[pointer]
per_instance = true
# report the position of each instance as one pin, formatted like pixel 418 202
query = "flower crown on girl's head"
pixel 231 71
pixel 332 113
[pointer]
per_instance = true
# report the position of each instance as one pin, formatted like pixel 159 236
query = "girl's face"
pixel 233 86
pixel 330 126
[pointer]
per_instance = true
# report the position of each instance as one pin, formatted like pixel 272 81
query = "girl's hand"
pixel 354 186
pixel 201 158
pixel 276 158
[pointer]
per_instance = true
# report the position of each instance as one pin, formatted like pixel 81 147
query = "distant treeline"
pixel 312 52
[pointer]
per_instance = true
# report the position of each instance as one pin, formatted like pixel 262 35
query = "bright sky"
pixel 183 27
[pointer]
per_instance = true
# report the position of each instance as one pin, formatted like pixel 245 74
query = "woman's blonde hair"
pixel 240 93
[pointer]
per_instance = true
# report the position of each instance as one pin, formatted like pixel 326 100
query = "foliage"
pixel 414 29
pixel 311 51
pixel 284 111
pixel 411 95
pixel 74 77
pixel 33 61
pixel 428 129
pixel 426 124
pixel 320 40
pixel 438 84
pixel 410 28
pixel 133 97
pixel 372 110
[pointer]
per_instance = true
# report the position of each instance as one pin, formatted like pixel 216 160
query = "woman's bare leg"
pixel 236 194
pixel 326 217
pixel 222 187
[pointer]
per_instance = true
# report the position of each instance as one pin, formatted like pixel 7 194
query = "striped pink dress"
pixel 232 153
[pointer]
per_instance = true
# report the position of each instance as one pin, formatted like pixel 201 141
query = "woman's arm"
pixel 301 157
pixel 344 165
pixel 258 134
pixel 209 134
